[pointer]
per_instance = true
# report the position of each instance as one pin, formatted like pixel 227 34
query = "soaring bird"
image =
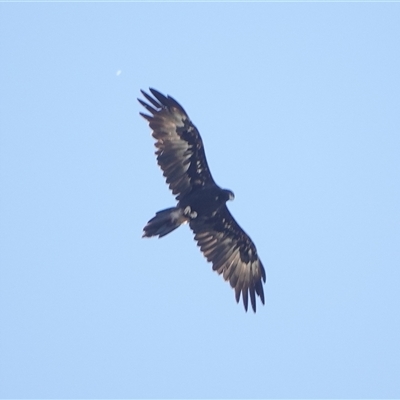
pixel 200 201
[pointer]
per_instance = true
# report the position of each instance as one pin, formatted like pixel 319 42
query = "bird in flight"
pixel 200 201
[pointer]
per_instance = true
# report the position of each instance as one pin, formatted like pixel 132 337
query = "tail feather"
pixel 164 222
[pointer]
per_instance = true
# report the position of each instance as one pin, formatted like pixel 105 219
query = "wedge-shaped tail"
pixel 164 222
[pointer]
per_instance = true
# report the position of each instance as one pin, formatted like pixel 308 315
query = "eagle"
pixel 200 201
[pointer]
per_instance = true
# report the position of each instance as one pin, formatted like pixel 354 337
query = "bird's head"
pixel 228 195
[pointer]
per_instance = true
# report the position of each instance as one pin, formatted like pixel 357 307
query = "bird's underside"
pixel 201 202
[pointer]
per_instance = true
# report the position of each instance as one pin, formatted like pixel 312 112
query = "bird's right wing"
pixel 180 151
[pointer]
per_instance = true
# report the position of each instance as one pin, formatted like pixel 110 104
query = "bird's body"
pixel 201 202
pixel 207 201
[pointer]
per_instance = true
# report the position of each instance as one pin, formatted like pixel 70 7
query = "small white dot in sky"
pixel 119 72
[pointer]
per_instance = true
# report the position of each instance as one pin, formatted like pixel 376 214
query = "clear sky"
pixel 299 109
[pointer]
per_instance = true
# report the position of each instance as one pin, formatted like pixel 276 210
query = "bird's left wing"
pixel 180 151
pixel 232 253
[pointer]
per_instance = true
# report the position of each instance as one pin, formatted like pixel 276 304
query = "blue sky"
pixel 298 107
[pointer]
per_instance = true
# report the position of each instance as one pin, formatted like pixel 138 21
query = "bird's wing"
pixel 180 151
pixel 232 253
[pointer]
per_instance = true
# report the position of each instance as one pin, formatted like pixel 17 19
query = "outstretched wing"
pixel 180 151
pixel 232 253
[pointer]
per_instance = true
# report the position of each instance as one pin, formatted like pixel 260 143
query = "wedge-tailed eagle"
pixel 201 202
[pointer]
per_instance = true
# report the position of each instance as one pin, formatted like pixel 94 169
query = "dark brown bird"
pixel 201 202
